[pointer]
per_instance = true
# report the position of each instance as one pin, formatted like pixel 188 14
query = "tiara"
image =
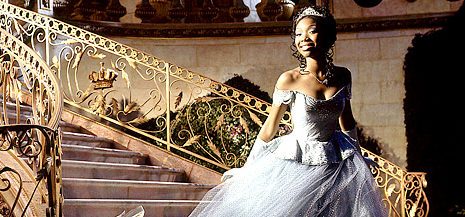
pixel 310 12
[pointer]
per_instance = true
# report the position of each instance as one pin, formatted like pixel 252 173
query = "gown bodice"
pixel 315 139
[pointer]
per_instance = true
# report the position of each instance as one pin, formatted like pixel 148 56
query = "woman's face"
pixel 306 37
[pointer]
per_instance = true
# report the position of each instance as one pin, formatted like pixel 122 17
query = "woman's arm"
pixel 349 127
pixel 348 124
pixel 271 125
pixel 346 119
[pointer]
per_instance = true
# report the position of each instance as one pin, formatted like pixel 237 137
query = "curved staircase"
pixel 102 178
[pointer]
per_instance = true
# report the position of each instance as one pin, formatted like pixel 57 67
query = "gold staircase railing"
pixel 176 109
pixel 30 106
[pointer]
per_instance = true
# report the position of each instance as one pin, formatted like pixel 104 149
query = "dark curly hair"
pixel 327 26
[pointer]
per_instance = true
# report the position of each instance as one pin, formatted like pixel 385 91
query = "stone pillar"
pixel 130 6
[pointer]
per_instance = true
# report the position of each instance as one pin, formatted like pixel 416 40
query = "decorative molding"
pixel 414 21
pixel 180 30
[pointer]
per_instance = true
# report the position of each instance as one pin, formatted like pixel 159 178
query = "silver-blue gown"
pixel 315 171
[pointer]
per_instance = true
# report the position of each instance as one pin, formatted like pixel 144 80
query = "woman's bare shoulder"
pixel 287 79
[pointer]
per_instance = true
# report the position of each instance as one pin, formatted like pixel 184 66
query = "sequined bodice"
pixel 315 139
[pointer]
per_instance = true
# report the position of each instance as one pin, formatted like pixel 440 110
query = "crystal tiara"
pixel 311 12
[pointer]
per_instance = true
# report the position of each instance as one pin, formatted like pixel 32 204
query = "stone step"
pixel 11 107
pixel 77 188
pixel 95 154
pixel 65 126
pixel 83 139
pixel 23 119
pixel 25 113
pixel 101 170
pixel 68 127
pixel 113 207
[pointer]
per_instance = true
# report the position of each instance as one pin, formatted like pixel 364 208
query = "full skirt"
pixel 275 187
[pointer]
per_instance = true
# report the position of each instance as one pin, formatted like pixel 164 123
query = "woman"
pixel 317 170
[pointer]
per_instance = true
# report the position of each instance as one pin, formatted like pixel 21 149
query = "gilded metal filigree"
pixel 403 191
pixel 6 185
pixel 44 138
pixel 30 104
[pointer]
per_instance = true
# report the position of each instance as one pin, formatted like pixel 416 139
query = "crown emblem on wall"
pixel 104 78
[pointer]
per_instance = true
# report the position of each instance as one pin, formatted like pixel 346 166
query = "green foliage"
pixel 213 127
pixel 217 129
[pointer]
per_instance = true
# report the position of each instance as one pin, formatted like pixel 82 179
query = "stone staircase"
pixel 101 178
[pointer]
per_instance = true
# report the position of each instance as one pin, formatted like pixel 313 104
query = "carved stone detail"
pixel 114 11
pixel 269 10
pixel 288 9
pixel 145 11
pixel 209 11
pixel 239 11
pixel 162 8
pixel 177 13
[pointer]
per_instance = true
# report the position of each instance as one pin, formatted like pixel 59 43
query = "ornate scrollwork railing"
pixel 179 110
pixel 404 191
pixel 36 143
pixel 141 93
pixel 31 104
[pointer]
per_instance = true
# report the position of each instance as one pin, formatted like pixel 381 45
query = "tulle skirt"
pixel 272 186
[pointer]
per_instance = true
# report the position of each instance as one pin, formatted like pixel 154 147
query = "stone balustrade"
pixel 179 11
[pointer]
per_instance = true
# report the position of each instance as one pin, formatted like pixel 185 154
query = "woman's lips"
pixel 306 47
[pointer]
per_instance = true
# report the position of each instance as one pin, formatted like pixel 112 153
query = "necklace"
pixel 303 72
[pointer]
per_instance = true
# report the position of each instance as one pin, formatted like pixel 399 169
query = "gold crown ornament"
pixel 104 78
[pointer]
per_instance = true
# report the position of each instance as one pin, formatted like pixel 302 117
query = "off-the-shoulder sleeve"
pixel 282 96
